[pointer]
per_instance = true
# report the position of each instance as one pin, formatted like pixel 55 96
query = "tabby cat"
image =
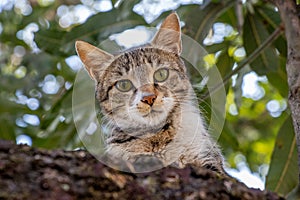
pixel 148 103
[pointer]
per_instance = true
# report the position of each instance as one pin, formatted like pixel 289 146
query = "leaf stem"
pixel 277 32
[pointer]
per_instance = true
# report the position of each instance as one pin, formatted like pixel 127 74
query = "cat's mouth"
pixel 152 112
pixel 143 114
pixel 146 110
pixel 150 106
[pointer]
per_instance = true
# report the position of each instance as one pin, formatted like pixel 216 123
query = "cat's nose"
pixel 149 99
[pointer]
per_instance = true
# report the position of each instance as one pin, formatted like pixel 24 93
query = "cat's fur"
pixel 159 119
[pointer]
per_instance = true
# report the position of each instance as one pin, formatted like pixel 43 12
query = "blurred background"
pixel 38 67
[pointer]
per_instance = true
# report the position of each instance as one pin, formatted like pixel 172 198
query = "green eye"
pixel 161 75
pixel 124 85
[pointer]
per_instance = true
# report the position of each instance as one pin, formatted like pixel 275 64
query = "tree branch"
pixel 291 21
pixel 28 173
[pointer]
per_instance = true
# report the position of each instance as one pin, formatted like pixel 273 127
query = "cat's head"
pixel 140 88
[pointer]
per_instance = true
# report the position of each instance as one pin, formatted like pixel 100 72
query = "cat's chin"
pixel 152 113
pixel 152 119
pixel 146 116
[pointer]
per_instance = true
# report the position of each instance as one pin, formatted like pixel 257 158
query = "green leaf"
pixel 229 17
pixel 228 137
pixel 283 173
pixel 200 20
pixel 279 78
pixel 127 6
pixel 114 2
pixel 294 194
pixel 255 33
pixel 55 132
pixel 97 27
pixel 271 19
pixel 270 16
pixel 7 129
pixel 216 47
pixel 50 40
pixel 105 24
pixel 224 65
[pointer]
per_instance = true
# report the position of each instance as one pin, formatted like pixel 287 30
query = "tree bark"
pixel 290 18
pixel 29 173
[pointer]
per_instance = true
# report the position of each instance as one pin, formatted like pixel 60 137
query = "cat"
pixel 148 102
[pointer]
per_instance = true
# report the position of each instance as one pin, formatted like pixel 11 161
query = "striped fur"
pixel 171 130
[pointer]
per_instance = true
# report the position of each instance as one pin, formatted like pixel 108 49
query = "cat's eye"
pixel 124 85
pixel 161 75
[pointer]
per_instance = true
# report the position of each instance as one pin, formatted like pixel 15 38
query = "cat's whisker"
pixel 148 104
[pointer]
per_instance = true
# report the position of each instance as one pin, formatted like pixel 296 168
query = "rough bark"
pixel 290 18
pixel 29 173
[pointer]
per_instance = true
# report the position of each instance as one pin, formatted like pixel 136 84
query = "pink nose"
pixel 149 99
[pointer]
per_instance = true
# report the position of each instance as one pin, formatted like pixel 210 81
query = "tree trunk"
pixel 29 173
pixel 290 18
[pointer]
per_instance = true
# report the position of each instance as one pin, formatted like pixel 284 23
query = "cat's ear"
pixel 94 59
pixel 168 36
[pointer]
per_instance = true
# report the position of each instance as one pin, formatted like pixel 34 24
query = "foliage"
pixel 283 165
pixel 36 83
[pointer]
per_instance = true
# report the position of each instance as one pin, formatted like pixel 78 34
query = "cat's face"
pixel 140 88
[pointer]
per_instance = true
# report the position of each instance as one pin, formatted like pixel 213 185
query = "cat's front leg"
pixel 198 158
